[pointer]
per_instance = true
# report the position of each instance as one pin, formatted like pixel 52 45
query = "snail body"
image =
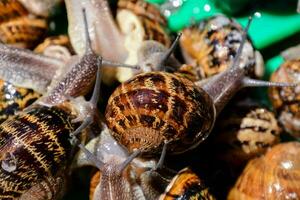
pixel 136 21
pixel 24 77
pixel 272 176
pixel 119 176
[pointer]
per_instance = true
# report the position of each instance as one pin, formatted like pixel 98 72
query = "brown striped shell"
pixel 18 27
pixel 139 21
pixel 152 108
pixel 186 185
pixel 286 100
pixel 35 150
pixel 211 46
pixel 272 176
pixel 244 133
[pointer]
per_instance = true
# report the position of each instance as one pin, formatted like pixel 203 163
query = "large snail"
pixel 159 108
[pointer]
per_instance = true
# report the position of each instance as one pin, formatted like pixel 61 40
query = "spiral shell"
pixel 245 133
pixel 139 21
pixel 273 176
pixel 211 46
pixel 155 107
pixel 35 148
pixel 286 100
pixel 186 185
pixel 18 27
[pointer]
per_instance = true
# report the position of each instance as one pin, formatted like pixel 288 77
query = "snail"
pixel 244 132
pixel 35 143
pixel 286 101
pixel 211 46
pixel 136 21
pixel 120 176
pixel 272 176
pixel 18 27
pixel 156 109
pixel 186 185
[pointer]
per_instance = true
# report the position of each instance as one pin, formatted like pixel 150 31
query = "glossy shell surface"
pixel 34 147
pixel 272 176
pixel 211 46
pixel 155 107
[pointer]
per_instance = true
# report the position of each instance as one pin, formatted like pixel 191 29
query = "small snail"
pixel 18 27
pixel 158 108
pixel 137 21
pixel 244 132
pixel 120 176
pixel 211 46
pixel 272 176
pixel 286 101
pixel 186 185
pixel 34 144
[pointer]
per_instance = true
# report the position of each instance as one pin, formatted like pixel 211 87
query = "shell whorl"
pixel 33 145
pixel 273 176
pixel 155 107
pixel 211 46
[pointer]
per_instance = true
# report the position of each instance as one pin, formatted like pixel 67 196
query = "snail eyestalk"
pixel 96 92
pixel 236 60
pixel 162 157
pixel 116 64
pixel 168 53
pixel 88 47
pixel 128 160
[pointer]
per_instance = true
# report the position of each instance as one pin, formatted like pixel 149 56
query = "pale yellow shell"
pixel 272 176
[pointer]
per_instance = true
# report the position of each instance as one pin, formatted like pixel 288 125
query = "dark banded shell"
pixel 18 27
pixel 244 133
pixel 35 149
pixel 273 176
pixel 186 185
pixel 155 107
pixel 286 100
pixel 211 46
pixel 13 99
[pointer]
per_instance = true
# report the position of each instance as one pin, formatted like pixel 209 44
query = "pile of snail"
pixel 173 126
